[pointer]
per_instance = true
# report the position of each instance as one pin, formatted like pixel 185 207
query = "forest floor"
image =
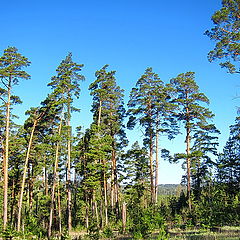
pixel 219 233
pixel 223 233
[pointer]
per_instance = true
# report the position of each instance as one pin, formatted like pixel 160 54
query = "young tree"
pixel 228 171
pixel 11 65
pixel 191 113
pixel 136 172
pixel 204 149
pixel 226 33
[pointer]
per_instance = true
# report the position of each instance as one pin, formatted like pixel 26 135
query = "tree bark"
pixel 156 169
pixel 45 177
pixel 188 160
pixel 124 217
pixel 104 168
pixel 24 175
pixel 59 209
pixel 5 160
pixel 105 193
pixel 69 194
pixel 151 170
pixel 55 179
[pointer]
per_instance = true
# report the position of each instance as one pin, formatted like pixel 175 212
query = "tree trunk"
pixel 151 170
pixel 59 209
pixel 95 208
pixel 99 113
pixel 13 202
pixel 55 179
pixel 105 193
pixel 45 177
pixel 31 179
pixel 24 175
pixel 188 160
pixel 104 168
pixel 69 197
pixel 5 160
pixel 114 185
pixel 156 169
pixel 124 217
pixel 87 217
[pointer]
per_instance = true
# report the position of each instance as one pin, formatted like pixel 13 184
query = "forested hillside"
pixel 57 180
pixel 171 189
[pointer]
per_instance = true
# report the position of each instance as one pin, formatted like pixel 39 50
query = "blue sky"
pixel 129 35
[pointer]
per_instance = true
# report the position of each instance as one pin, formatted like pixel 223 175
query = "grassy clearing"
pixel 229 233
pixel 223 233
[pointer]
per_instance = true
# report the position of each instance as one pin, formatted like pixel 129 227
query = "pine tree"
pixel 227 35
pixel 151 108
pixel 193 115
pixel 66 86
pixel 35 117
pixel 203 151
pixel 136 172
pixel 11 65
pixel 228 171
pixel 108 115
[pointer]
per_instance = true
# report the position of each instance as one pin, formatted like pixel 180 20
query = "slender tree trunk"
pixel 114 189
pixel 151 170
pixel 95 208
pixel 104 168
pixel 45 183
pixel 69 194
pixel 87 217
pixel 188 160
pixel 55 179
pixel 156 169
pixel 59 208
pixel 124 217
pixel 105 194
pixel 13 202
pixel 24 175
pixel 198 179
pixel 5 160
pixel 99 113
pixel 31 180
pixel 188 167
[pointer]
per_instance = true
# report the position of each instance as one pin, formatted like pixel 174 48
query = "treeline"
pixel 55 178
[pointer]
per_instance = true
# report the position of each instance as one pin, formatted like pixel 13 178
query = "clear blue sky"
pixel 129 35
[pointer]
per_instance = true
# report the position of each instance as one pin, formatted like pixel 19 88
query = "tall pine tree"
pixel 11 65
pixel 193 115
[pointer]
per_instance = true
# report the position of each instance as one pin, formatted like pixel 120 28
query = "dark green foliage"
pixel 66 82
pixel 195 118
pixel 9 233
pixel 229 161
pixel 113 188
pixel 11 64
pixel 108 107
pixel 216 207
pixel 204 150
pixel 227 35
pixel 150 106
pixel 93 230
pixel 136 180
pixel 144 221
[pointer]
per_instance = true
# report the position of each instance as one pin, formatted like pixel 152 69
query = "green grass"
pixel 228 233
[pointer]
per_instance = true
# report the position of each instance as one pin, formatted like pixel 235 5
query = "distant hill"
pixel 170 189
